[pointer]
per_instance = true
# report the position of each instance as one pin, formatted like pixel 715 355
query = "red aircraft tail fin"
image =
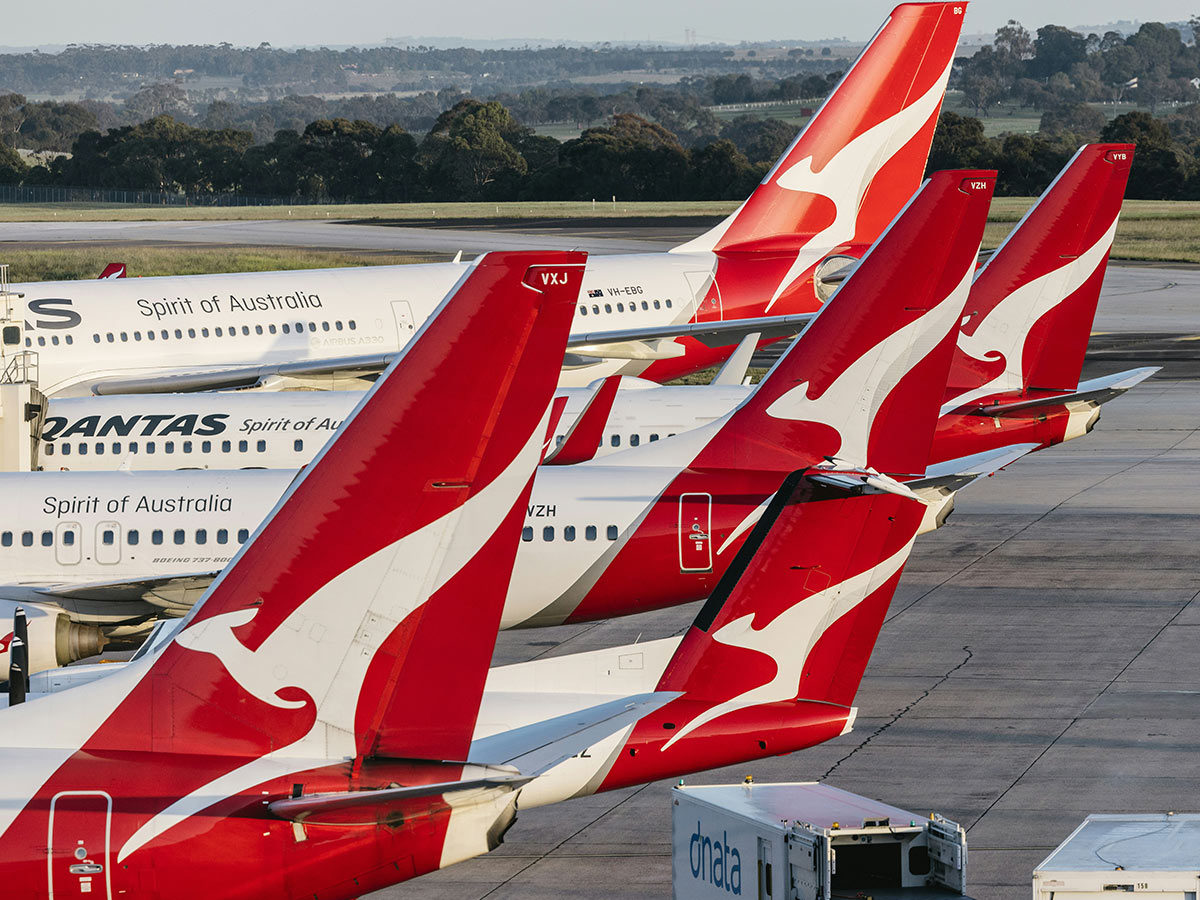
pixel 1029 317
pixel 862 383
pixel 113 270
pixel 362 615
pixel 863 154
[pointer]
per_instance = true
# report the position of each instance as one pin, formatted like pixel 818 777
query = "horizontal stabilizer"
pixel 955 474
pixel 534 749
pixel 394 804
pixel 1097 391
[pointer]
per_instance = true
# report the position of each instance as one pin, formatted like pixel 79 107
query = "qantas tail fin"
pixel 862 155
pixel 862 383
pixel 360 619
pixel 1029 317
pixel 113 270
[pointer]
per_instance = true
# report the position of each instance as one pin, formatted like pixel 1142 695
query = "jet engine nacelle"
pixel 54 640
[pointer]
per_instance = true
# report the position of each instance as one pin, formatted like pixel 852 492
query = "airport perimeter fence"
pixel 28 193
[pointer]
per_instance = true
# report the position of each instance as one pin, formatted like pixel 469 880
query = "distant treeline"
pixel 474 151
pixel 118 71
pixel 480 151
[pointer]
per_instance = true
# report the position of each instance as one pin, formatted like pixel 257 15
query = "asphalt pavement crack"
pixel 898 716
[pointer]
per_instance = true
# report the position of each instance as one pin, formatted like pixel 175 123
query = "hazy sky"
pixel 371 21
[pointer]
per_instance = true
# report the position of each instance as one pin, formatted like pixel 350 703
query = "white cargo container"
pixel 1155 853
pixel 799 841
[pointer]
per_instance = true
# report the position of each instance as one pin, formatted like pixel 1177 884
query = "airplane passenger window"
pixel 201 536
pixel 206 446
pixel 131 537
pixel 54 339
pixel 582 310
pixel 258 329
pixel 226 446
pixel 6 539
pixel 568 532
pixel 124 336
pixel 620 307
pixel 191 332
pixel 180 534
pixel 653 436
pixel 634 440
pixel 668 304
pixel 107 537
pixel 612 532
pixel 149 446
pixel 589 533
pixel 548 533
pixel 271 328
pixel 203 332
pixel 351 325
pixel 168 447
pixel 243 535
pixel 298 445
pixel 116 447
pixel 262 447
pixel 178 332
pixel 133 446
pixel 156 536
pixel 83 449
pixel 243 446
pixel 96 338
pixel 99 448
pixel 66 449
pixel 299 327
pixel 645 305
pixel 47 538
pixel 28 342
pixel 70 340
pixel 69 538
pixel 595 309
pixel 312 326
pixel 608 307
pixel 165 334
pixel 615 440
pixel 26 538
pixel 49 449
pixel 41 342
pixel 137 335
pixel 246 329
pixel 217 331
pixel 324 326
pixel 149 335
pixel 222 536
pixel 187 446
pixel 527 533
pixel 110 337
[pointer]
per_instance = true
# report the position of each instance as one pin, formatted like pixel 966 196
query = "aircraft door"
pixel 406 325
pixel 695 529
pixel 68 546
pixel 80 824
pixel 706 296
pixel 108 543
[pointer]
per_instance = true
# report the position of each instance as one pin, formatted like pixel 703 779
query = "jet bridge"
pixel 22 405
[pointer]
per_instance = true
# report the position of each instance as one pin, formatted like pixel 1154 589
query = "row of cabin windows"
pixel 590 533
pixel 108 537
pixel 67 339
pixel 608 307
pixel 178 333
pixel 635 440
pixel 81 449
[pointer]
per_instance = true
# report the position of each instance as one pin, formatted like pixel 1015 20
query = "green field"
pixel 120 212
pixel 1151 230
